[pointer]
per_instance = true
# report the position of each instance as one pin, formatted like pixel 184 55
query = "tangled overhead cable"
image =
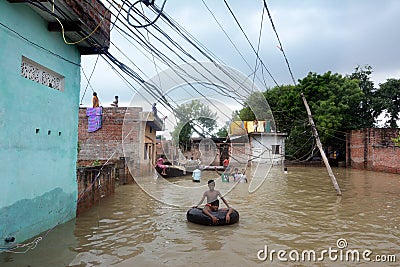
pixel 147 3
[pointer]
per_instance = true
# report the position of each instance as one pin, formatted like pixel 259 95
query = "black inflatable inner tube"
pixel 196 215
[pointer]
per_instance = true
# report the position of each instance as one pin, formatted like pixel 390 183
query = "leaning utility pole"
pixel 315 133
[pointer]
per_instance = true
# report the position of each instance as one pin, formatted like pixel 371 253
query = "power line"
pixel 258 45
pixel 231 41
pixel 148 24
pixel 39 46
pixel 237 22
pixel 280 44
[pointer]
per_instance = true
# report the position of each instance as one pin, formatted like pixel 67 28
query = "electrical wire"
pixel 258 45
pixel 97 58
pixel 39 46
pixel 148 24
pixel 82 39
pixel 88 79
pixel 129 71
pixel 279 41
pixel 231 41
pixel 237 22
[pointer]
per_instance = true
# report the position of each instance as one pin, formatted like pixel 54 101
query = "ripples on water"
pixel 294 211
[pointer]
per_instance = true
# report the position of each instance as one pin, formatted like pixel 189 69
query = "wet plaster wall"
pixel 38 127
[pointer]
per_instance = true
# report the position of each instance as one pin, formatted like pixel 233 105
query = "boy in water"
pixel 237 175
pixel 224 175
pixel 214 206
pixel 243 178
pixel 212 195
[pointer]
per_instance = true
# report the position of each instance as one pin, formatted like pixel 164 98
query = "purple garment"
pixel 94 118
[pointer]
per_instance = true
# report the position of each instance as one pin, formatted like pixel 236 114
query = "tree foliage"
pixel 388 98
pixel 222 132
pixel 338 104
pixel 365 114
pixel 193 117
pixel 332 99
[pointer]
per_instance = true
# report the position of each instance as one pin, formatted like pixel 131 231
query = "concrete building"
pixel 39 99
pixel 243 146
pixel 266 145
pixel 127 138
pixel 210 151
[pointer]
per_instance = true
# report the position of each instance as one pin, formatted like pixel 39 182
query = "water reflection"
pixel 294 211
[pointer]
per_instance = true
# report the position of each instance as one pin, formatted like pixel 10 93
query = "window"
pixel 148 151
pixel 145 152
pixel 275 149
pixel 40 74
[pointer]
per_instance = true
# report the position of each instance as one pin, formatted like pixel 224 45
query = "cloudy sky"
pixel 316 35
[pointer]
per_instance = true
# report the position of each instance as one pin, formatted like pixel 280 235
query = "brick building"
pixel 373 149
pixel 127 138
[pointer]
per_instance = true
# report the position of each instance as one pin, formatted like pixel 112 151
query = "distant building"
pixel 242 146
pixel 210 151
pixel 168 149
pixel 127 138
pixel 39 100
pixel 266 145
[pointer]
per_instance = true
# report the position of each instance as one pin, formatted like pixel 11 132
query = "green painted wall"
pixel 37 169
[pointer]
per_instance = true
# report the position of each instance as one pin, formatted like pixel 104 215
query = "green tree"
pixel 286 106
pixel 193 117
pixel 222 132
pixel 332 99
pixel 290 117
pixel 255 106
pixel 388 97
pixel 364 115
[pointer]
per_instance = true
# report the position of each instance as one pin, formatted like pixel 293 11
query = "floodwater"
pixel 288 216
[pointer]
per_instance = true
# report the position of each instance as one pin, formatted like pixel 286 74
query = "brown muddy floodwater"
pixel 286 222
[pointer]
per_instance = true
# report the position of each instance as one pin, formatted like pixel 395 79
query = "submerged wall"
pixel 373 149
pixel 38 125
pixel 94 183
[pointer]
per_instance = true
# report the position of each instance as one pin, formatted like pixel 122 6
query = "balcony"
pixel 79 19
pixel 153 121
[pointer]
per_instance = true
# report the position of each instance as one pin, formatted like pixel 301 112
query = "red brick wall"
pixel 105 145
pixel 95 15
pixel 239 154
pixel 108 145
pixel 373 149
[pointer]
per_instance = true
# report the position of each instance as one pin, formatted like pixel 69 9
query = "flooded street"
pixel 291 212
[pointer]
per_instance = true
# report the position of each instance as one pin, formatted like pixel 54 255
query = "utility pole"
pixel 315 133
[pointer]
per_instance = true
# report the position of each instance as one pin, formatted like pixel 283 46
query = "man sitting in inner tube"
pixel 213 206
